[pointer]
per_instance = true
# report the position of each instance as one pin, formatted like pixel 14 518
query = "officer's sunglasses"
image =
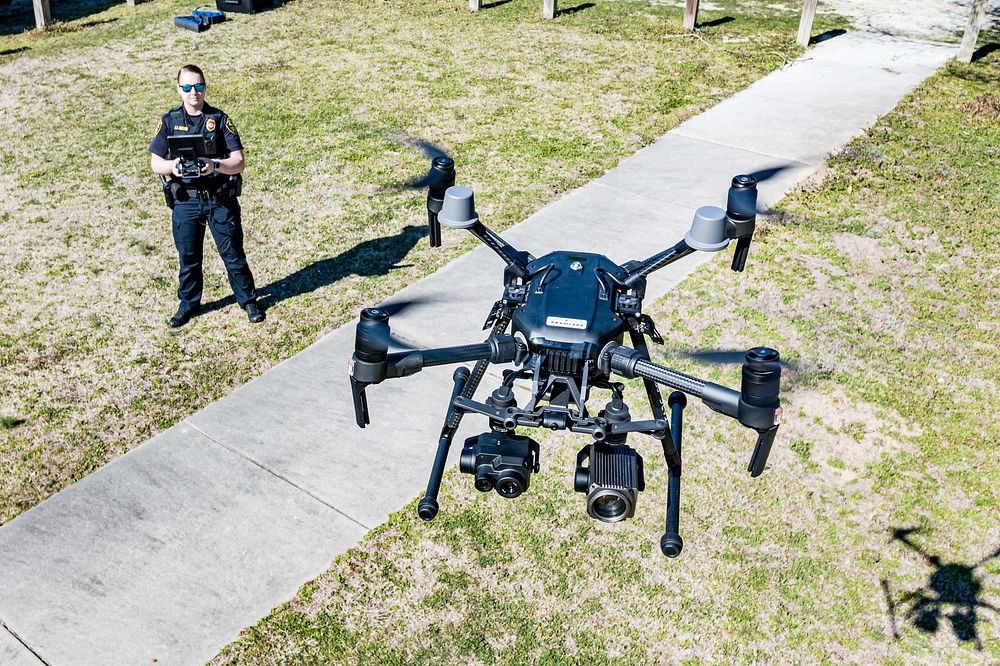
pixel 186 87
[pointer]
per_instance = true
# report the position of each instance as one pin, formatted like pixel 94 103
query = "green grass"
pixel 877 281
pixel 326 94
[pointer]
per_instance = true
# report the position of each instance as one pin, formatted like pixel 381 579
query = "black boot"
pixel 184 314
pixel 254 313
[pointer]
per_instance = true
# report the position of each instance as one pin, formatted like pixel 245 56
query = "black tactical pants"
pixel 223 218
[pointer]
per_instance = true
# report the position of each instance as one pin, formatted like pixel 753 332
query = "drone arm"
pixel 371 362
pixel 755 406
pixel 496 349
pixel 711 231
pixel 517 262
pixel 640 269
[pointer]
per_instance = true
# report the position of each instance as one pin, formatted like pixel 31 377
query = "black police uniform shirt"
pixel 196 125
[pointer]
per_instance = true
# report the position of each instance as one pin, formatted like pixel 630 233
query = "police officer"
pixel 210 198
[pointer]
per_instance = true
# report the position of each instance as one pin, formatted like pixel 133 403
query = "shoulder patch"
pixel 231 126
pixel 210 125
pixel 159 128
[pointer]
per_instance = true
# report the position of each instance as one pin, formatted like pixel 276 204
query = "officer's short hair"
pixel 194 69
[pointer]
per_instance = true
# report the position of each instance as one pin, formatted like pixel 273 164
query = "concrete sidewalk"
pixel 166 553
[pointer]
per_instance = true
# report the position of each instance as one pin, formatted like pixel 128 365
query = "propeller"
pixel 437 180
pixel 435 177
pixel 742 210
pixel 391 309
pixel 767 174
pixel 718 357
pixel 372 342
pixel 762 175
pixel 726 357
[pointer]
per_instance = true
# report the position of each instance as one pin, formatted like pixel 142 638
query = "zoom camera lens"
pixel 608 506
pixel 612 481
pixel 501 462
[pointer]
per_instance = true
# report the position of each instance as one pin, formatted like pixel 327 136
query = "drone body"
pixel 568 315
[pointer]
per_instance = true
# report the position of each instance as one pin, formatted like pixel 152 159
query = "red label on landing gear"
pixel 350 366
pixel 777 416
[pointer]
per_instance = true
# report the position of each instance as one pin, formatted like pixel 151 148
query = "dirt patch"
pixel 923 19
pixel 984 108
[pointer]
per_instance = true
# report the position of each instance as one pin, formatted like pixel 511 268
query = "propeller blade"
pixel 767 174
pixel 728 357
pixel 718 357
pixel 434 177
pixel 393 308
pixel 762 175
pixel 426 147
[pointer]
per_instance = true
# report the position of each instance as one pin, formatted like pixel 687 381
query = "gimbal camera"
pixel 568 313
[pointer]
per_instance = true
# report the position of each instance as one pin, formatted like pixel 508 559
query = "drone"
pixel 568 314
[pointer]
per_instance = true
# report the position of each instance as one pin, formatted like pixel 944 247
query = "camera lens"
pixel 609 506
pixel 509 486
pixel 484 484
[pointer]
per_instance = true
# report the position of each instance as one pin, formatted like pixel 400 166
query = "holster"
pixel 232 188
pixel 168 191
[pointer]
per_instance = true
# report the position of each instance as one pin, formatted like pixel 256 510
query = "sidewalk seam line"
pixel 678 132
pixel 319 499
pixel 23 643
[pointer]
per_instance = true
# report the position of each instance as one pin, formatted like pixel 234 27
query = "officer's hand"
pixel 177 167
pixel 206 166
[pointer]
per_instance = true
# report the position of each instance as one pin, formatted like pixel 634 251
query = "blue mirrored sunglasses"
pixel 186 87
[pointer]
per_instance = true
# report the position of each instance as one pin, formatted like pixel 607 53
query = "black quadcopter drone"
pixel 569 313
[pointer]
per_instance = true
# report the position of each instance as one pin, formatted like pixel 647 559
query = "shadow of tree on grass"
pixel 20 15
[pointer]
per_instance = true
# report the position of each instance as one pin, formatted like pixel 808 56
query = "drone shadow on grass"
pixel 373 257
pixel 952 594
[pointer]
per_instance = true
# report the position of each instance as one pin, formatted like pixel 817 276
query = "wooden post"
pixel 43 15
pixel 474 5
pixel 977 17
pixel 806 22
pixel 690 14
pixel 548 9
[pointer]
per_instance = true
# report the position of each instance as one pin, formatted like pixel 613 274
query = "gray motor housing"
pixel 708 230
pixel 459 208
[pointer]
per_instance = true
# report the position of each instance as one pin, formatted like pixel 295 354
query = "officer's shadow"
pixel 373 257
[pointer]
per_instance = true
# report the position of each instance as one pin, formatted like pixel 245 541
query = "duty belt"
pixel 204 195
